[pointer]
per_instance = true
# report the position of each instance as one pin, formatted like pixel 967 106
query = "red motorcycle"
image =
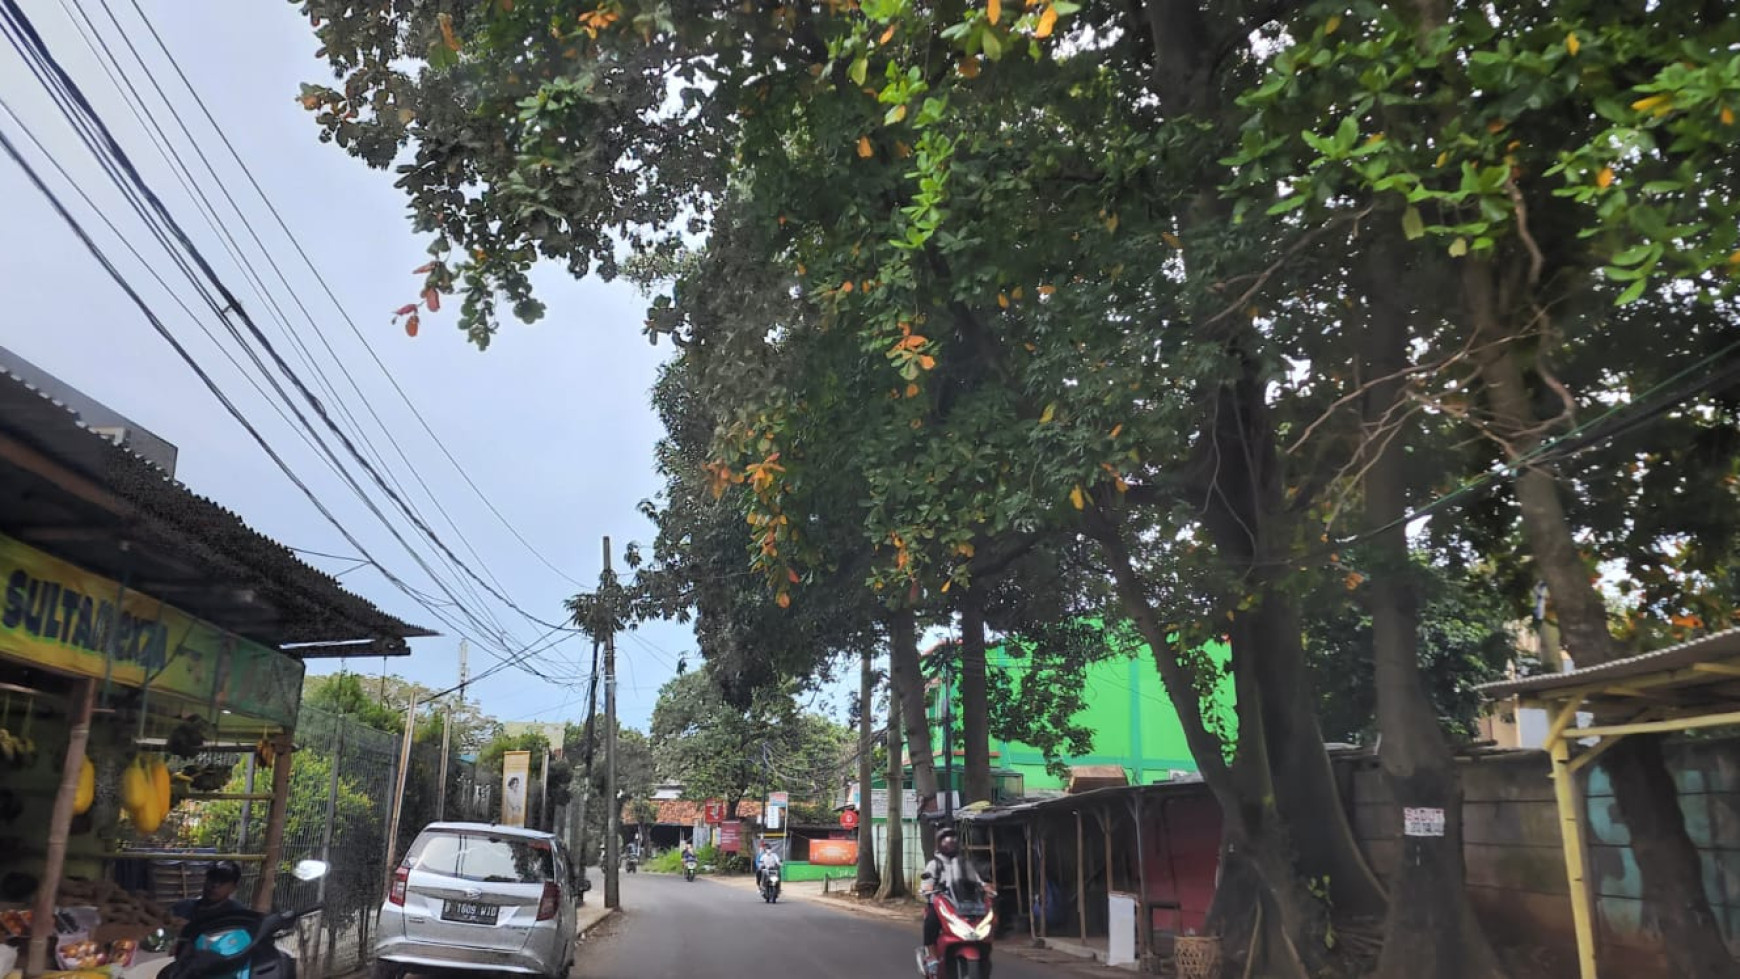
pixel 963 947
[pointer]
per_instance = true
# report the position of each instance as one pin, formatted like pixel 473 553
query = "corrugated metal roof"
pixel 1717 646
pixel 174 532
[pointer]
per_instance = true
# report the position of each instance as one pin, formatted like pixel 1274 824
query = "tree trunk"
pixel 906 676
pixel 893 839
pixel 1430 931
pixel 975 701
pixel 1668 863
pixel 1238 470
pixel 868 879
pixel 1257 863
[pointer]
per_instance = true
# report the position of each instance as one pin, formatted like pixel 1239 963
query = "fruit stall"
pixel 152 651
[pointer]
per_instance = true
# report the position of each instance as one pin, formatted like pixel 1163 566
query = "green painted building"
pixel 1127 709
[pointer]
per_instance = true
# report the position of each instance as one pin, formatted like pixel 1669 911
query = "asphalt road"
pixel 674 929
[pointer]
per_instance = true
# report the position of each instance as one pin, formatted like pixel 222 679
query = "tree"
pixel 717 750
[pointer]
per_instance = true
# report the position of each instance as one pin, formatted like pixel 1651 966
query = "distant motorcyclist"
pixel 767 860
pixel 944 871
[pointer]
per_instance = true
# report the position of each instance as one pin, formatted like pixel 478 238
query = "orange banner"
pixel 833 853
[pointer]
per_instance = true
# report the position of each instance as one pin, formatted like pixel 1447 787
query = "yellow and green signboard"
pixel 60 617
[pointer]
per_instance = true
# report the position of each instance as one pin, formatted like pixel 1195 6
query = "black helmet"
pixel 225 871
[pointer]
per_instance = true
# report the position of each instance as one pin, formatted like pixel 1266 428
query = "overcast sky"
pixel 552 422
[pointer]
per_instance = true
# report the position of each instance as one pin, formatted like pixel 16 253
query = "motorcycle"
pixel 242 944
pixel 689 868
pixel 629 862
pixel 963 947
pixel 770 886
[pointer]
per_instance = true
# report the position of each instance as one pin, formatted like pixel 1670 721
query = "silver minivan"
pixel 474 896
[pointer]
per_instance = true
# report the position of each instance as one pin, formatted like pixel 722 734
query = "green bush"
pixel 671 861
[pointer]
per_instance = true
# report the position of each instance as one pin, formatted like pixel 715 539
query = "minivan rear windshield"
pixel 481 857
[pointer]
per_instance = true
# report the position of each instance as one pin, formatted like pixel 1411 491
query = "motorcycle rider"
pixel 689 858
pixel 946 869
pixel 767 860
pixel 216 896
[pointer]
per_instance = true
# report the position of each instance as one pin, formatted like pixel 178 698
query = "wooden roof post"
pixel 83 703
pixel 275 819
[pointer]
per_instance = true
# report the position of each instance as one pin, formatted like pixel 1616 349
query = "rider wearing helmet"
pixel 944 871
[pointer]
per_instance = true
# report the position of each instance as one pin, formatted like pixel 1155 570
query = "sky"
pixel 552 423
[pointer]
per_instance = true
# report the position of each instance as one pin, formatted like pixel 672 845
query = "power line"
pixel 102 142
pixel 337 305
pixel 156 322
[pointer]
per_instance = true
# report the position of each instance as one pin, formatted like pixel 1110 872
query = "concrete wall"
pixel 1515 863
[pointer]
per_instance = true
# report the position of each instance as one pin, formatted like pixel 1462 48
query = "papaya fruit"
pixel 160 786
pixel 135 787
pixel 87 791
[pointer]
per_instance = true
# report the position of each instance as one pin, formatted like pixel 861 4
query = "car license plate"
pixel 469 912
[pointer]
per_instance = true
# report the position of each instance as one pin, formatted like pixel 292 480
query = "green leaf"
pixel 1459 248
pixel 1413 225
pixel 1632 292
pixel 860 70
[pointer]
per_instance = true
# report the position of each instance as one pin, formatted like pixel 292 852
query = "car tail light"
pixel 551 903
pixel 396 893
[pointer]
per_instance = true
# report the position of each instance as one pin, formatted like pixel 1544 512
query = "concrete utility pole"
pixel 613 812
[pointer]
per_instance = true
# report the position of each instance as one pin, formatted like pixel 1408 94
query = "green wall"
pixel 1128 711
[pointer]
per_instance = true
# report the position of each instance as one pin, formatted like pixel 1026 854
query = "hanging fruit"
pixel 87 790
pixel 135 787
pixel 160 785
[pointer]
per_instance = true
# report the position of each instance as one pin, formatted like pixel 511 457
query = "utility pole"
pixel 613 814
pixel 399 789
pixel 948 738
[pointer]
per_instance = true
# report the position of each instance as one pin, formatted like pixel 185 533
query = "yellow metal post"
pixel 1571 834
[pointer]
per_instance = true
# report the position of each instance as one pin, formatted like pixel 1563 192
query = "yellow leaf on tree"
pixel 887 35
pixel 1117 430
pixel 1727 115
pixel 1078 498
pixel 946 585
pixel 912 390
pixel 970 67
pixel 864 148
pixel 784 600
pixel 1171 239
pixel 1443 158
pixel 1604 179
pixel 1049 413
pixel 846 286
pixel 926 362
pixel 1653 101
pixel 447 36
pixel 1353 579
pixel 1047 21
pixel 994 11
pixel 1332 25
pixel 1003 300
pixel 1572 44
pixel 1047 290
pixel 1734 259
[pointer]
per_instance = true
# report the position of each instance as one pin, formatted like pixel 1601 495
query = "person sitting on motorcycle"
pixel 689 853
pixel 216 897
pixel 767 860
pixel 945 870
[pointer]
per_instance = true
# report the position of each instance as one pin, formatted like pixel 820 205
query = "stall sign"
pixel 714 811
pixel 64 618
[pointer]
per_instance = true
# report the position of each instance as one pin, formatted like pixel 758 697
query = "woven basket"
pixel 1196 956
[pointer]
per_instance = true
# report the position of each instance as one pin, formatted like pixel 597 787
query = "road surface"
pixel 674 929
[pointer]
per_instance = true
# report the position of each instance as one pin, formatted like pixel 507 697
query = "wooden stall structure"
pixel 132 604
pixel 1691 686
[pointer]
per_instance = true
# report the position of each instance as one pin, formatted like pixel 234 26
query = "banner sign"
pixel 516 777
pixel 833 853
pixel 713 811
pixel 731 836
pixel 65 618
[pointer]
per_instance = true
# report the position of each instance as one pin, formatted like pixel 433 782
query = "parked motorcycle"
pixel 963 947
pixel 242 944
pixel 770 886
